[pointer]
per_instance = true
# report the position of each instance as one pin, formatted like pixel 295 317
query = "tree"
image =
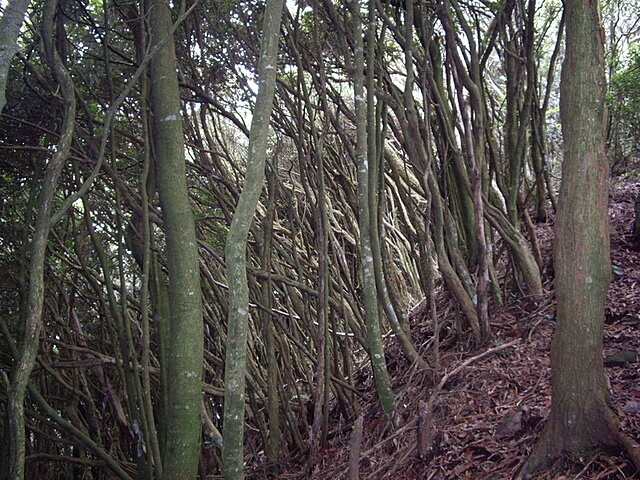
pixel 236 248
pixel 33 321
pixel 10 24
pixel 185 342
pixel 624 102
pixel 365 153
pixel 580 417
pixel 386 184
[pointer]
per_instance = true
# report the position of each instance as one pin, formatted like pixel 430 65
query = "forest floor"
pixel 484 420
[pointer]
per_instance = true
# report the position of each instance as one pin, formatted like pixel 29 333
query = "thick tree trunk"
pixel 185 342
pixel 580 417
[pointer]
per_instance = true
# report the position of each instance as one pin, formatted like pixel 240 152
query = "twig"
pixel 464 365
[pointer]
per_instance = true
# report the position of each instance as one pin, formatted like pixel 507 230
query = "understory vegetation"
pixel 373 246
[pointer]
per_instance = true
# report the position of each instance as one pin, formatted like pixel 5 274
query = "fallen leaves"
pixel 488 412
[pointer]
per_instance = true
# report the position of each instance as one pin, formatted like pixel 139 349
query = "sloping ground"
pixel 492 406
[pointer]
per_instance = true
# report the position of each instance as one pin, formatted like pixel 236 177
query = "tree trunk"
pixel 383 265
pixel 10 24
pixel 185 342
pixel 236 248
pixel 580 417
pixel 274 448
pixel 366 148
pixel 28 348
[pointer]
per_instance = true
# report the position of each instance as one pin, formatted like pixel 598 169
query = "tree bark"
pixel 28 348
pixel 185 342
pixel 236 248
pixel 580 418
pixel 365 147
pixel 10 24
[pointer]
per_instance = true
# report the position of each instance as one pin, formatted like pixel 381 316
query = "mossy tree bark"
pixel 383 266
pixel 185 342
pixel 33 322
pixel 236 248
pixel 365 153
pixel 580 418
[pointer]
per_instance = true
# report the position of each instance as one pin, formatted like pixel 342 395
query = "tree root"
pixel 547 451
pixel 631 447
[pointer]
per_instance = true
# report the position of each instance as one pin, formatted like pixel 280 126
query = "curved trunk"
pixel 33 322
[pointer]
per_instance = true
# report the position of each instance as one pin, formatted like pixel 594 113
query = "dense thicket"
pixel 449 112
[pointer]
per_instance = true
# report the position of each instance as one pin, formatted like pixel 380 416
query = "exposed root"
pixel 548 450
pixel 631 447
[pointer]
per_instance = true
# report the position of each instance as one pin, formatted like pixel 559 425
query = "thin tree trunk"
pixel 366 148
pixel 323 366
pixel 28 349
pixel 236 248
pixel 376 194
pixel 273 447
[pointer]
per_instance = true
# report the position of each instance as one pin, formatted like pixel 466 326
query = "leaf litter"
pixel 485 419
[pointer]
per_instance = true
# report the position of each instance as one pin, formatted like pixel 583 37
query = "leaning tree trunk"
pixel 185 342
pixel 236 249
pixel 580 417
pixel 364 148
pixel 33 321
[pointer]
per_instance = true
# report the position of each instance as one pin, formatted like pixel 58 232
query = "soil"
pixel 484 420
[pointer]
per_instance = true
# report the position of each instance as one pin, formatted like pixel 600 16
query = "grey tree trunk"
pixel 236 248
pixel 10 24
pixel 365 146
pixel 28 347
pixel 185 340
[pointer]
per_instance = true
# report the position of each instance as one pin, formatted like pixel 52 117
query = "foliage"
pixel 624 103
pixel 449 87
